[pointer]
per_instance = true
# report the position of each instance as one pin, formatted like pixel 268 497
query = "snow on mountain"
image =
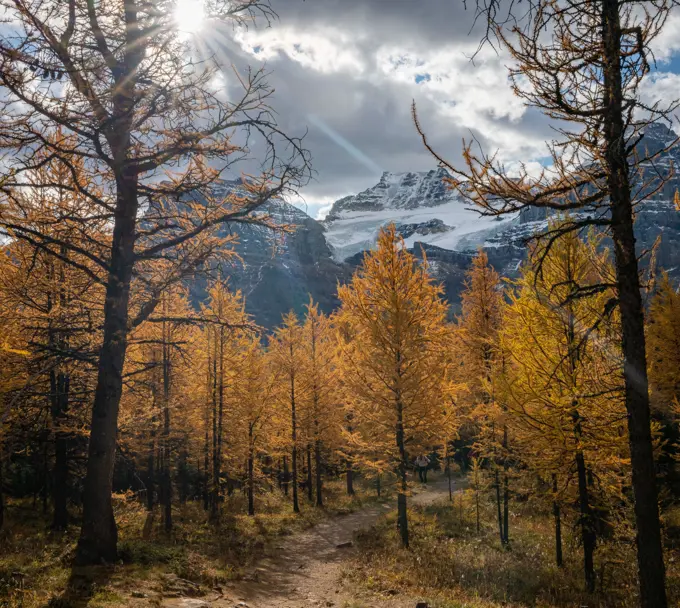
pixel 424 209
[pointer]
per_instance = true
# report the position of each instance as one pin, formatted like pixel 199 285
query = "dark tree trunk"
pixel 588 538
pixel 497 485
pixel 294 456
pixel 167 463
pixel 402 513
pixel 286 473
pixel 251 473
pixel 310 474
pixel 506 493
pixel 182 473
pixel 216 473
pixel 2 490
pixel 319 476
pixel 649 548
pixel 99 535
pixel 349 474
pixel 377 485
pixel 150 467
pixel 448 473
pixel 60 394
pixel 558 525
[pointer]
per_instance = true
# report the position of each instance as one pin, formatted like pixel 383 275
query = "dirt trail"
pixel 307 568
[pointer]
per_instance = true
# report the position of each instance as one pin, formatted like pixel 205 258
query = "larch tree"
pixel 477 347
pixel 57 300
pixel 148 120
pixel 581 63
pixel 663 335
pixel 286 348
pixel 251 397
pixel 322 411
pixel 564 386
pixel 396 360
pixel 225 322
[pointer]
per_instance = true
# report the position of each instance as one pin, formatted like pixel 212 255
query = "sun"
pixel 190 16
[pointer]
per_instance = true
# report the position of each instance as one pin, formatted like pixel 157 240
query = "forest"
pixel 159 448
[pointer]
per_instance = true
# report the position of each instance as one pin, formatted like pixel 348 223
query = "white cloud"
pixel 327 51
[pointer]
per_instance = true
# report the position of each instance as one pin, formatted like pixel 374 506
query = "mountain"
pixel 421 206
pixel 432 219
pixel 277 273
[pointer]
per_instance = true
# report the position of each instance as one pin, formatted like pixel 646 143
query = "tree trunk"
pixel 349 474
pixel 377 485
pixel 649 548
pixel 310 476
pixel 497 485
pixel 216 473
pixel 251 473
pixel 294 456
pixel 167 463
pixel 506 509
pixel 319 477
pixel 60 389
pixel 558 525
pixel 2 490
pixel 99 535
pixel 588 538
pixel 402 513
pixel 286 473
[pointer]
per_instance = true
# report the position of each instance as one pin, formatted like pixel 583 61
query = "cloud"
pixel 346 72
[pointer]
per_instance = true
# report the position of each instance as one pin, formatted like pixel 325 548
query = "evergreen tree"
pixel 395 364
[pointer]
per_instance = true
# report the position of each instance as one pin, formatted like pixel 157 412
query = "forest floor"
pixel 276 558
pixel 310 567
pixel 346 555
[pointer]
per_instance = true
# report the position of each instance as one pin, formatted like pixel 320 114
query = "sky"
pixel 346 71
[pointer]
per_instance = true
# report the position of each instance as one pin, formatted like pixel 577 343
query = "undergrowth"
pixel 36 563
pixel 454 566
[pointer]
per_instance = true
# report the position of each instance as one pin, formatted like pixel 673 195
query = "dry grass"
pixel 35 564
pixel 455 567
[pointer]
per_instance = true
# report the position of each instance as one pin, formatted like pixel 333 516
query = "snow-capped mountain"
pixel 431 218
pixel 424 209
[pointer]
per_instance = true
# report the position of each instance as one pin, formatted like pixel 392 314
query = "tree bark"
pixel 99 535
pixel 310 476
pixel 649 547
pixel 558 525
pixel 588 537
pixel 60 394
pixel 286 473
pixel 167 464
pixel 402 512
pixel 349 478
pixel 294 456
pixel 506 493
pixel 319 476
pixel 251 473
pixel 497 484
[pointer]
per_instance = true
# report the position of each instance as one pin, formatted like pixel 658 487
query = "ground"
pixel 276 558
pixel 308 570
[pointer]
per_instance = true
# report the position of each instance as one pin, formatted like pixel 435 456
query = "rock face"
pixel 279 272
pixel 434 221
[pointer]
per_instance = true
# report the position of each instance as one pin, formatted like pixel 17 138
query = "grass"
pixel 35 563
pixel 453 566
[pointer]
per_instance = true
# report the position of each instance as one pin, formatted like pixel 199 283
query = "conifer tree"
pixel 151 123
pixel 480 359
pixel 563 384
pixel 395 364
pixel 322 411
pixel 582 63
pixel 286 347
pixel 663 334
